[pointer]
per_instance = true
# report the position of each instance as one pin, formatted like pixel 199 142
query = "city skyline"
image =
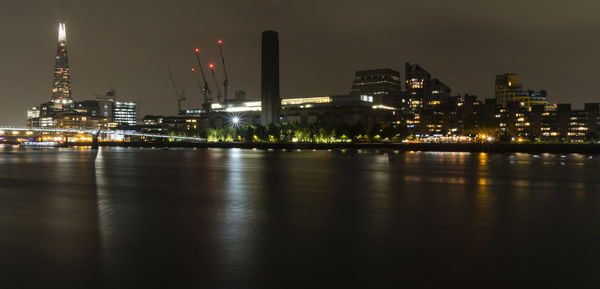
pixel 104 54
pixel 299 143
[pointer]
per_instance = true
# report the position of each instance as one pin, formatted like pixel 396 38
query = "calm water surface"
pixel 230 218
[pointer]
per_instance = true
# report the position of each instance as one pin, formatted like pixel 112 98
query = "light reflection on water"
pixel 218 218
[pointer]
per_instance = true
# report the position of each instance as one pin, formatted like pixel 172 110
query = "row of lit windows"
pixel 366 98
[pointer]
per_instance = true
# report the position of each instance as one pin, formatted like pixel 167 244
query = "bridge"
pixel 27 132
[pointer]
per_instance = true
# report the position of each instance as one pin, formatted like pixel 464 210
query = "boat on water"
pixel 42 144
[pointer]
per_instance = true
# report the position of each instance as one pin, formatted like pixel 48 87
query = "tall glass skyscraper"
pixel 61 90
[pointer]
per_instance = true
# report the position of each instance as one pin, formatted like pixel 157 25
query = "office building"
pixel 87 107
pixel 125 113
pixel 417 82
pixel 383 85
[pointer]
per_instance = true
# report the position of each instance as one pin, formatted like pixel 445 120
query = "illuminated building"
pixel 572 125
pixel 153 124
pixel 125 113
pixel 153 119
pixel 337 110
pixel 417 81
pixel 33 117
pixel 550 126
pixel 592 117
pixel 430 110
pixel 306 101
pixel 87 107
pixel 508 89
pixel 62 112
pixel 563 124
pixel 61 100
pixel 331 111
pixel 61 89
pixel 73 120
pixel 270 99
pixel 437 92
pixel 538 98
pixel 437 109
pixel 383 85
pixel 468 119
pixel 34 112
pixel 46 122
pixel 517 121
pixel 535 117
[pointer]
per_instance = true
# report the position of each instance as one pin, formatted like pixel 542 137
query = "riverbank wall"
pixel 439 147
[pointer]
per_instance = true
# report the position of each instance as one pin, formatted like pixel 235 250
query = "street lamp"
pixel 235 121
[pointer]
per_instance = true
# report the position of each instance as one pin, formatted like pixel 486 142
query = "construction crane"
pixel 180 96
pixel 226 81
pixel 212 70
pixel 205 89
pixel 206 104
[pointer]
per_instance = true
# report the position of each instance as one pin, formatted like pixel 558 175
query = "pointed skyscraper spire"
pixel 61 89
pixel 62 33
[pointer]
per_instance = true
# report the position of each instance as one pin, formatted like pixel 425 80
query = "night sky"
pixel 553 45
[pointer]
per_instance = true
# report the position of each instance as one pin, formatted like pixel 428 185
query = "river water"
pixel 232 218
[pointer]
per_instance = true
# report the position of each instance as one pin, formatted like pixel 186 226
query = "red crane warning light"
pixel 220 42
pixel 211 66
pixel 196 50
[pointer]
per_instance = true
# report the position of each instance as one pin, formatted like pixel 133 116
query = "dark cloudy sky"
pixel 554 45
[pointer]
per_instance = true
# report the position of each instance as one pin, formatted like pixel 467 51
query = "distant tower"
pixel 61 90
pixel 270 100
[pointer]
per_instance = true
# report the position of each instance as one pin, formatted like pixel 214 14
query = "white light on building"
pixel 125 112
